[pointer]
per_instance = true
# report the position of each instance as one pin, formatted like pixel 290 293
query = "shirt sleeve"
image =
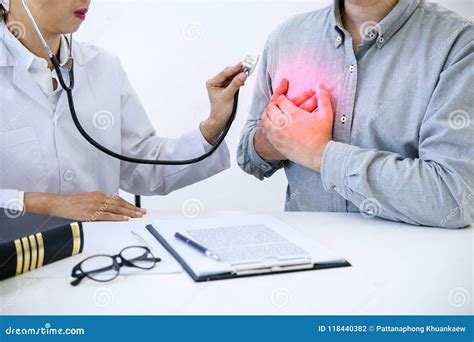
pixel 140 140
pixel 247 158
pixel 12 199
pixel 436 189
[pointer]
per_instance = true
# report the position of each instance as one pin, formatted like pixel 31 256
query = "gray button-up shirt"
pixel 403 139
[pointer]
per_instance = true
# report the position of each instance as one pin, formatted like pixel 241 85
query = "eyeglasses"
pixel 104 268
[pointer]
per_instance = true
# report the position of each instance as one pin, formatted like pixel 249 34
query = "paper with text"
pixel 241 240
pixel 246 243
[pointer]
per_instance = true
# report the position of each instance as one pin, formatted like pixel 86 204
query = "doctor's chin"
pixel 251 171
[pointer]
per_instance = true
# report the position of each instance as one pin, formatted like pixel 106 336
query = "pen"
pixel 197 246
pixel 140 239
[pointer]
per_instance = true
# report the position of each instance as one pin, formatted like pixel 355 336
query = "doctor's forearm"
pixel 211 130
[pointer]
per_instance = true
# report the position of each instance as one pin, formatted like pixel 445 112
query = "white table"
pixel 397 269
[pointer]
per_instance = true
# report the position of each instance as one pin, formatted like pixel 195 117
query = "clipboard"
pixel 243 272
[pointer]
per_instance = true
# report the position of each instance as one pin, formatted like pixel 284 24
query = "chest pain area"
pixel 306 74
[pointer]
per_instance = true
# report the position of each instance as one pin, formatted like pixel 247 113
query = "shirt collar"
pixel 385 29
pixel 25 57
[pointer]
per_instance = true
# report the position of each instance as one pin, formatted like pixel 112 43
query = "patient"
pixel 393 134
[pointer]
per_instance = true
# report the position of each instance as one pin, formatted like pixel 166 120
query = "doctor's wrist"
pixel 37 202
pixel 211 130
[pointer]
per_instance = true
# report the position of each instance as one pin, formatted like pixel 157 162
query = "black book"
pixel 29 241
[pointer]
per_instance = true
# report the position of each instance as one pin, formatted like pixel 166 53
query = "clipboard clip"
pixel 272 265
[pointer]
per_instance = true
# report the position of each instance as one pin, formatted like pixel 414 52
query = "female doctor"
pixel 46 166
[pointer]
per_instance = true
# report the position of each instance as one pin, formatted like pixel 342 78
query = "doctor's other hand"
pixel 307 101
pixel 221 89
pixel 300 135
pixel 85 206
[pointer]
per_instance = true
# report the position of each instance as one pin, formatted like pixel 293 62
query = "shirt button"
pixel 351 68
pixel 69 175
pixel 338 39
pixel 381 39
pixel 335 189
pixel 343 119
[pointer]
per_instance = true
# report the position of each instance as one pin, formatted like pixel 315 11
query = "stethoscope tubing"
pixel 72 109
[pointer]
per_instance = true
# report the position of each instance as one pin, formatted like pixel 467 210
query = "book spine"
pixel 42 248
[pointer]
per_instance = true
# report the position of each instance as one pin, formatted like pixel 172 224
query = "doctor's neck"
pixel 19 24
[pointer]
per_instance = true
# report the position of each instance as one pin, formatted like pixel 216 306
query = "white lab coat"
pixel 42 151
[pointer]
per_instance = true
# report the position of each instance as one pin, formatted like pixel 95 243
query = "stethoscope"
pixel 248 67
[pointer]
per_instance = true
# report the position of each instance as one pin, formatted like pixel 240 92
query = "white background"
pixel 170 48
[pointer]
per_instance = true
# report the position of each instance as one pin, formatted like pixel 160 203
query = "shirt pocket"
pixel 22 166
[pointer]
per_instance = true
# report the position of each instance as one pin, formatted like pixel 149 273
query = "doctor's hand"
pixel 300 135
pixel 86 206
pixel 307 101
pixel 221 90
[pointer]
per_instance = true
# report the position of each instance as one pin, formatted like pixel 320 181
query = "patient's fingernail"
pixel 143 210
pixel 322 86
pixel 314 89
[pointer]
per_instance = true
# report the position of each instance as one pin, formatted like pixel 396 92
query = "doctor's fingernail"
pixel 243 76
pixel 322 86
pixel 143 210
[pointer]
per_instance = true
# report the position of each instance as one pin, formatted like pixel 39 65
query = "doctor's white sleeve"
pixel 11 199
pixel 139 140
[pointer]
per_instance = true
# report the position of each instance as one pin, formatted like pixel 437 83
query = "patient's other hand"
pixel 306 101
pixel 300 135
